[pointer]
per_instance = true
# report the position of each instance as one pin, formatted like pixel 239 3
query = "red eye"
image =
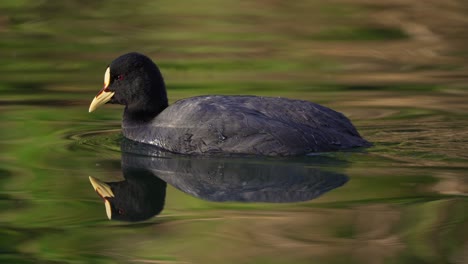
pixel 120 77
pixel 121 211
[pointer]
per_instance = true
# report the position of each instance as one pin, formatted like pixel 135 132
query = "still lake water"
pixel 398 70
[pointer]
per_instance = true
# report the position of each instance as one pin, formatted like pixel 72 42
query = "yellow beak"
pixel 104 95
pixel 101 98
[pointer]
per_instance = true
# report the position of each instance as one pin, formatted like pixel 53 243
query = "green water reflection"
pixel 398 70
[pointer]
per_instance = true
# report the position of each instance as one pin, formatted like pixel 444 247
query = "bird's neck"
pixel 152 102
pixel 139 115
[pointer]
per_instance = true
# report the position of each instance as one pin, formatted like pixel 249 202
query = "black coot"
pixel 216 124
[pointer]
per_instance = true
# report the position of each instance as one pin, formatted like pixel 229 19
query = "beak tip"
pixel 93 182
pixel 92 107
pixel 103 97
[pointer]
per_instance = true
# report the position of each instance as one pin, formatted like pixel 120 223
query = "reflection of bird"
pixel 141 195
pixel 219 124
pixel 137 198
pixel 242 180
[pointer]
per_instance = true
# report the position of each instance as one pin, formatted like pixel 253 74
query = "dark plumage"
pixel 219 124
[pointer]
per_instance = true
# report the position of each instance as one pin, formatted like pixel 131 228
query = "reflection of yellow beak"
pixel 105 191
pixel 101 98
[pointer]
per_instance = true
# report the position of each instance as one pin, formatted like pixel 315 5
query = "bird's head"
pixel 135 81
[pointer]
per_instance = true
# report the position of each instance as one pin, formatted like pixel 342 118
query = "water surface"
pixel 397 70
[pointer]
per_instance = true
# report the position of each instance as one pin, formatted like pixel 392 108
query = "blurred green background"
pixel 397 69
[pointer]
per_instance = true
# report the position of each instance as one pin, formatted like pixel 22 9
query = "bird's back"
pixel 246 125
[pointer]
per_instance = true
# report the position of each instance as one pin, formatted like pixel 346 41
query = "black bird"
pixel 216 124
